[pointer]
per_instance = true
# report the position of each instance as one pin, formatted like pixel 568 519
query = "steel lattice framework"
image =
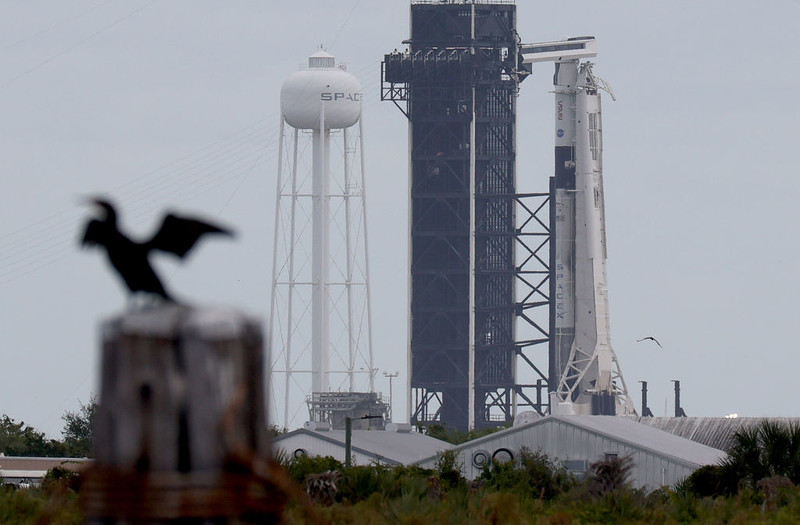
pixel 457 84
pixel 350 349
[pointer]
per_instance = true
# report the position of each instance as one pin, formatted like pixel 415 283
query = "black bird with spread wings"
pixel 650 338
pixel 129 258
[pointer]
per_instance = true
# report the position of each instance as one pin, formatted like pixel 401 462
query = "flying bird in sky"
pixel 177 235
pixel 650 338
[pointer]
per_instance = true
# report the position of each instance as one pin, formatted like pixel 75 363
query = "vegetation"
pixel 56 501
pixel 19 439
pixel 534 489
pixel 455 436
pixel 610 476
pixel 77 431
pixel 756 484
pixel 767 451
pixel 274 431
pixel 770 449
pixel 535 475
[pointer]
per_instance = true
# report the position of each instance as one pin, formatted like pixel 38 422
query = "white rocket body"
pixel 590 382
pixel 563 243
pixel 585 377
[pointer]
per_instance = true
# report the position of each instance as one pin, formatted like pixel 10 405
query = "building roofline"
pixel 464 2
pixel 335 441
pixel 44 458
pixel 573 423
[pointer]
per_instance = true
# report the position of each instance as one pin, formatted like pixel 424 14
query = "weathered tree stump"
pixel 180 430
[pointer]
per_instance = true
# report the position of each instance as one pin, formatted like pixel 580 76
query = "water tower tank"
pixel 321 87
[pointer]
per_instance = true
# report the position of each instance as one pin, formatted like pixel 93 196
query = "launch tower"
pixel 457 83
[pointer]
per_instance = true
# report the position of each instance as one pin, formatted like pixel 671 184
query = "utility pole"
pixel 348 438
pixel 391 376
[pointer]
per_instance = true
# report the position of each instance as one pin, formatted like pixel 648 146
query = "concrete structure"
pixel 395 446
pixel 659 458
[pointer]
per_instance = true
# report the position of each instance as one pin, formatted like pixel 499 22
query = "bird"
pixel 651 339
pixel 177 235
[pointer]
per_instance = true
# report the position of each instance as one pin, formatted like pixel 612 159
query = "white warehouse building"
pixel 397 445
pixel 659 458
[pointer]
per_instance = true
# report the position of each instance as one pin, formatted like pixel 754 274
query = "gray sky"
pixel 175 104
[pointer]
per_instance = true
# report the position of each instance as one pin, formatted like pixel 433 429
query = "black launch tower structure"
pixel 457 84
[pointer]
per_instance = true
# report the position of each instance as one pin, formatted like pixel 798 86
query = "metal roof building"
pixel 659 458
pixel 716 432
pixel 22 470
pixel 395 446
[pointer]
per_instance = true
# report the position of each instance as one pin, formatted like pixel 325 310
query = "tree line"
pixel 19 439
pixel 757 483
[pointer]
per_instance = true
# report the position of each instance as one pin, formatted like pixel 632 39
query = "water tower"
pixel 321 352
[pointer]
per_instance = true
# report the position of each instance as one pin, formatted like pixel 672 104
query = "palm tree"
pixel 769 449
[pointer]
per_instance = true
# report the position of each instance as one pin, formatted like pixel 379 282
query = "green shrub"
pixel 360 482
pixel 449 470
pixel 455 436
pixel 711 481
pixel 19 506
pixel 60 478
pixel 35 506
pixel 56 501
pixel 534 475
pixel 610 475
pixel 300 467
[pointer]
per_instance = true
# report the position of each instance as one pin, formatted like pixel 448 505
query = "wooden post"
pixel 180 431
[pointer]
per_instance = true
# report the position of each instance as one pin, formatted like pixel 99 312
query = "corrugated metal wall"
pixel 567 442
pixel 320 447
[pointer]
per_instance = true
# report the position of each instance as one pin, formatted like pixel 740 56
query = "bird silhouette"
pixel 177 235
pixel 650 338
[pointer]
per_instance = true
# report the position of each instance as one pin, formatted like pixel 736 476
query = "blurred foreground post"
pixel 180 432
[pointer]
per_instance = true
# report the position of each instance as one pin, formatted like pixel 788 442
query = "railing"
pixel 463 2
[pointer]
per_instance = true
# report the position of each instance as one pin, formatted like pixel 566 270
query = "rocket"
pixel 563 218
pixel 585 376
pixel 590 380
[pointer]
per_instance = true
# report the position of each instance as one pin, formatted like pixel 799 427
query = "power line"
pixel 232 158
pixel 57 24
pixel 75 46
pixel 346 20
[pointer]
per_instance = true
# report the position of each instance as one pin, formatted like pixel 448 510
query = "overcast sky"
pixel 175 104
